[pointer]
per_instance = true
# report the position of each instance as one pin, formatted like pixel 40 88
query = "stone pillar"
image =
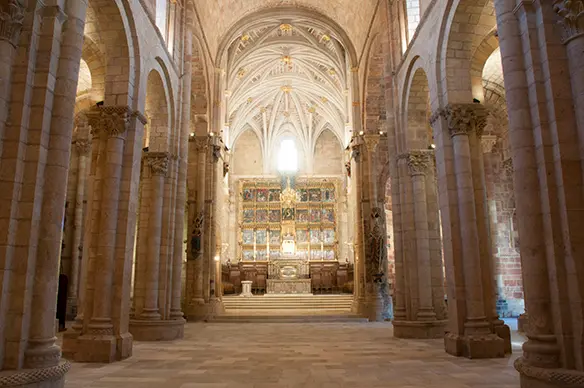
pixel 197 232
pixel 464 123
pixel 421 314
pixel 11 19
pixel 151 312
pixel 145 300
pixel 418 164
pixel 100 333
pixel 358 238
pixel 181 196
pixel 571 14
pixel 376 304
pixel 547 157
pixel 83 147
pixel 32 209
pixel 214 255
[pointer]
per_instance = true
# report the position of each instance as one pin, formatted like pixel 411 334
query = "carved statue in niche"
pixel 196 234
pixel 377 260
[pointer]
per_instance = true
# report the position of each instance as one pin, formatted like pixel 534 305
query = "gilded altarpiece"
pixel 310 221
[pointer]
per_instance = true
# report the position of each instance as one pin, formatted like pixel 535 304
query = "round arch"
pixel 467 21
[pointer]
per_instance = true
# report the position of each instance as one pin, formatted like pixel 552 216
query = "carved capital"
pixel 371 142
pixel 488 142
pixel 418 161
pixel 11 19
pixel 158 162
pixel 83 146
pixel 111 120
pixel 463 119
pixel 201 143
pixel 572 18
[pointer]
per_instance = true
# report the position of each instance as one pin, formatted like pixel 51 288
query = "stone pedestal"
pixel 477 345
pixel 161 330
pixel 246 288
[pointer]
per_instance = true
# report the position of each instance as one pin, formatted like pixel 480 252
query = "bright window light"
pixel 288 156
pixel 161 16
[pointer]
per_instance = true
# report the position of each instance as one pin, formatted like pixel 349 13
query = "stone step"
pixel 287 316
pixel 289 306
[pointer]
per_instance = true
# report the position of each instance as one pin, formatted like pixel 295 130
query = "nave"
pixel 291 355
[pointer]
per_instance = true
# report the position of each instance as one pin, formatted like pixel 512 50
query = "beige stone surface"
pixel 315 355
pixel 217 16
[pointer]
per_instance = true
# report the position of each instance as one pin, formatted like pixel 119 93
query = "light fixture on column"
pixel 217 258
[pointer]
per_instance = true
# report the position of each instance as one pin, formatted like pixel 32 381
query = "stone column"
pixel 421 312
pixel 542 148
pixel 377 296
pixel 197 233
pixel 41 350
pixel 158 165
pixel 151 311
pixel 214 256
pixel 181 197
pixel 358 238
pixel 571 13
pixel 83 147
pixel 465 121
pixel 11 19
pixel 115 126
pixel 418 164
pixel 100 333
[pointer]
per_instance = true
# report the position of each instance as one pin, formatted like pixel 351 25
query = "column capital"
pixel 572 18
pixel 463 119
pixel 488 142
pixel 113 120
pixel 158 162
pixel 11 19
pixel 201 143
pixel 371 142
pixel 418 161
pixel 83 146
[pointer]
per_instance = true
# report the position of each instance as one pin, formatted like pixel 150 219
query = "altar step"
pixel 289 308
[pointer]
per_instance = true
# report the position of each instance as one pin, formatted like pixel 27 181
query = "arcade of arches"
pixel 416 163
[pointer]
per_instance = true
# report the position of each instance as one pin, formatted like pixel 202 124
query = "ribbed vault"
pixel 287 79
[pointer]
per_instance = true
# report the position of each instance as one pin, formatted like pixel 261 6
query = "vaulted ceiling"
pixel 217 16
pixel 287 79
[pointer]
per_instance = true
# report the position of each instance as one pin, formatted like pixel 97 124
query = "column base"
pixel 370 307
pixel 71 309
pixel 504 333
pixel 97 348
pixel 196 310
pixel 207 311
pixel 419 329
pixel 536 377
pixel 52 377
pixel 159 330
pixel 474 346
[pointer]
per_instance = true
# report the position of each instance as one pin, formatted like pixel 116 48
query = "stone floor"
pixel 295 355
